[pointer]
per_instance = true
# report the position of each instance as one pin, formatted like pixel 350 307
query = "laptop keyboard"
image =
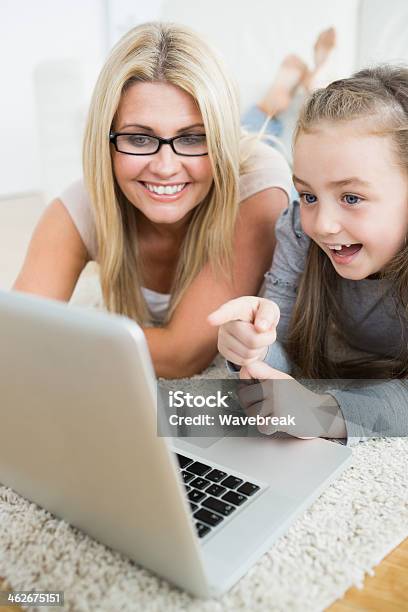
pixel 213 494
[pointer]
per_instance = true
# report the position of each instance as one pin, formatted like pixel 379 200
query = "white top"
pixel 158 303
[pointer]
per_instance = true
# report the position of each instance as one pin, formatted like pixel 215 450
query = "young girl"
pixel 340 264
pixel 177 205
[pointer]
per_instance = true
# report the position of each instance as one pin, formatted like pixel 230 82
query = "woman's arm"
pixel 188 343
pixel 55 257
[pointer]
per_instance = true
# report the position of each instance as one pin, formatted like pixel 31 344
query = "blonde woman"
pixel 177 206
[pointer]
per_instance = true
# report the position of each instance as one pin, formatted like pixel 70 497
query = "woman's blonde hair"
pixel 379 96
pixel 173 54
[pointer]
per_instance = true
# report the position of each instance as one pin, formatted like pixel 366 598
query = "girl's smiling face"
pixel 352 192
pixel 161 109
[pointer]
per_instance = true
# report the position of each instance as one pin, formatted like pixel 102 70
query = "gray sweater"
pixel 372 323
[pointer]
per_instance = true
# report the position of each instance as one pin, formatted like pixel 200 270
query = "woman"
pixel 178 206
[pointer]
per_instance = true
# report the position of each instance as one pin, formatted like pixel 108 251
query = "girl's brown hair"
pixel 379 96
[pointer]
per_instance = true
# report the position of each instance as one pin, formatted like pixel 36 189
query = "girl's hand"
pixel 247 328
pixel 307 414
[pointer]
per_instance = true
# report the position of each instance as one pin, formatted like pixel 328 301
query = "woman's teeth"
pixel 164 189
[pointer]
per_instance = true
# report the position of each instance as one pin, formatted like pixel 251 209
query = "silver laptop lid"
pixel 79 433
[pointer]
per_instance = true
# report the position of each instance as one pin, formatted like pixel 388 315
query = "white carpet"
pixel 344 534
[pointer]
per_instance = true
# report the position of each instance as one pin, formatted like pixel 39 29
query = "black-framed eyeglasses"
pixel 189 145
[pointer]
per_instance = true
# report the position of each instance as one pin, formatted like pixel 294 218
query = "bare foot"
pixel 325 42
pixel 323 47
pixel 292 71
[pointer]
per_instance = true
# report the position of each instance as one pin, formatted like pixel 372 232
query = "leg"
pixel 284 97
pixel 321 75
pixel 277 98
pixel 279 95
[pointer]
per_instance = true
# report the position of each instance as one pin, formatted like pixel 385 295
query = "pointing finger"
pixel 240 309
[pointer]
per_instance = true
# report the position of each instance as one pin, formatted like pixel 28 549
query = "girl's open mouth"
pixel 344 254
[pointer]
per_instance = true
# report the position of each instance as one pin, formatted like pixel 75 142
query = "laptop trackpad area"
pixel 200 442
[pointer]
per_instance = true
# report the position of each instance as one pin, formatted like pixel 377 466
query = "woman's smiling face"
pixel 352 192
pixel 161 109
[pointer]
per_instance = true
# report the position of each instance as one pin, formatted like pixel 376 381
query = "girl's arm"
pixel 282 280
pixel 55 258
pixel 371 410
pixel 188 343
pixel 241 339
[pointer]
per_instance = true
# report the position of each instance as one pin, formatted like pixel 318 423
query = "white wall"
pixel 51 52
pixel 31 33
pixel 123 14
pixel 255 35
pixel 383 30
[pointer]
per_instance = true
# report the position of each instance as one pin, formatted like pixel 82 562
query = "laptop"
pixel 79 437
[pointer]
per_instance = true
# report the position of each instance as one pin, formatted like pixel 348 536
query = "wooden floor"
pixel 387 591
